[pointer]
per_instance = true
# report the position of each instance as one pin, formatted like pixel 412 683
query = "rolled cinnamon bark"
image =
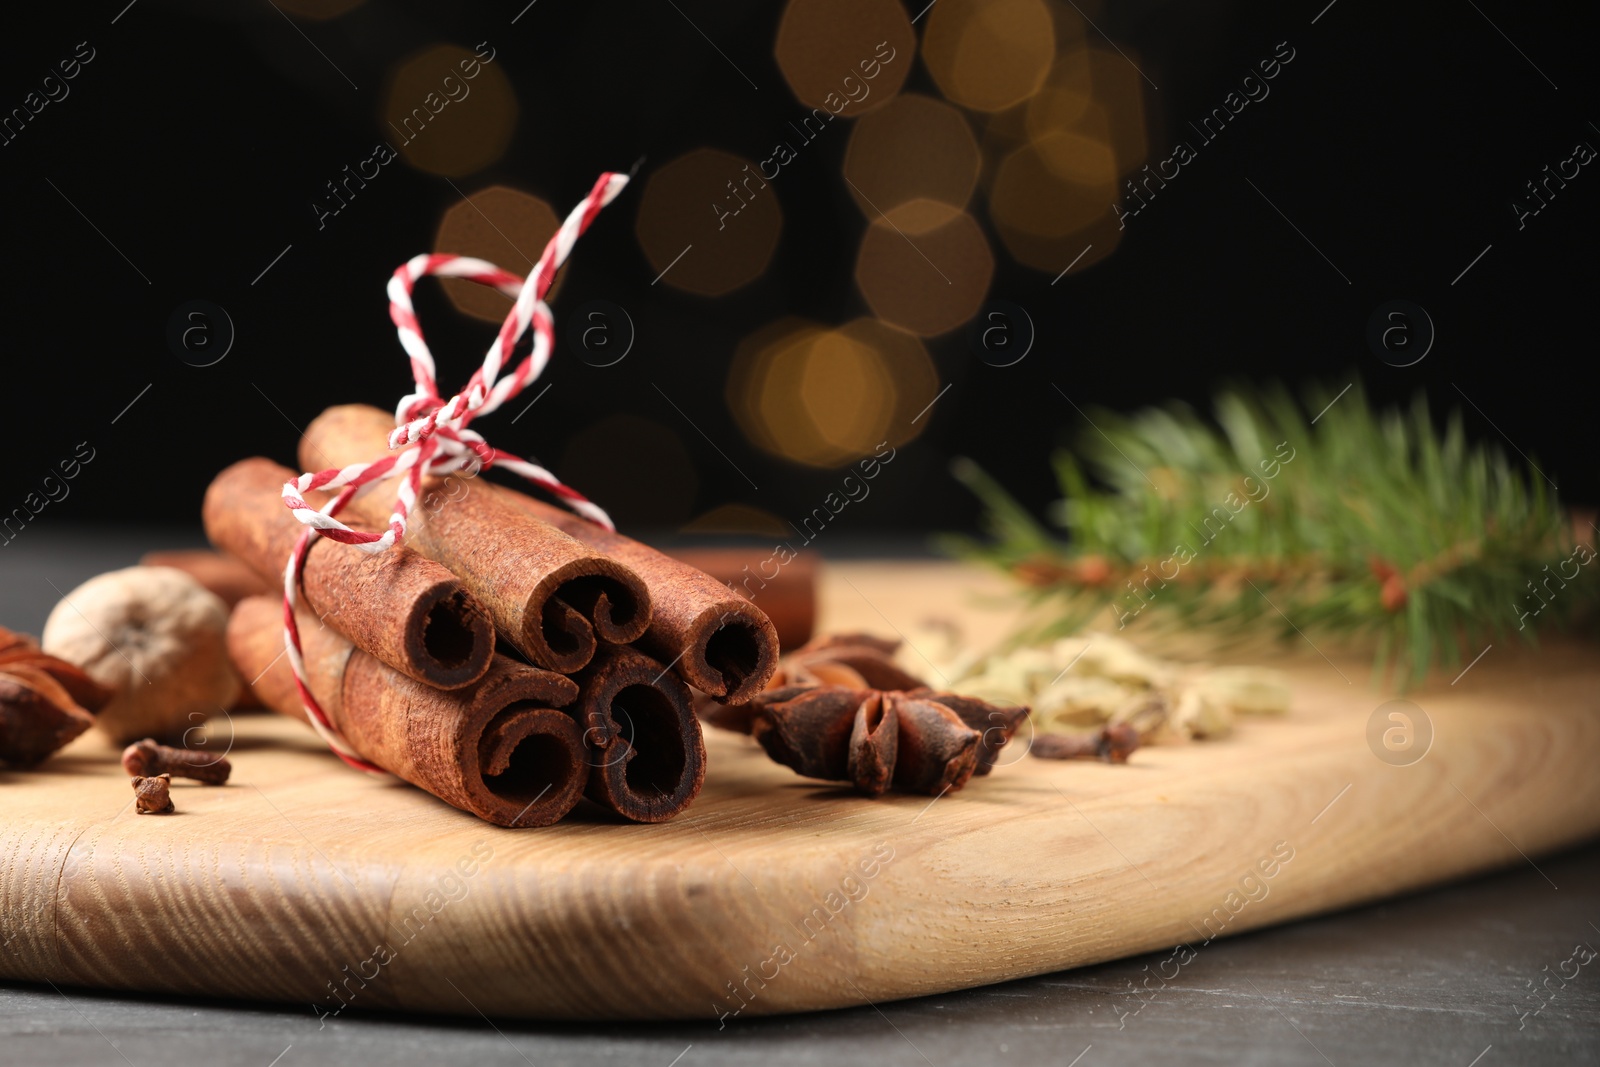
pixel 550 595
pixel 789 599
pixel 497 748
pixel 406 610
pixel 222 574
pixel 715 639
pixel 645 743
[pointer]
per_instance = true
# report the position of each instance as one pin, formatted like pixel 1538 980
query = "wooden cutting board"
pixel 304 882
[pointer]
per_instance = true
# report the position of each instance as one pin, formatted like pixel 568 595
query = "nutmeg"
pixel 157 639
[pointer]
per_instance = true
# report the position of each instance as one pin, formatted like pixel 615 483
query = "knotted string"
pixel 431 435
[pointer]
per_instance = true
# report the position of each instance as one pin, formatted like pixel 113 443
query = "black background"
pixel 201 133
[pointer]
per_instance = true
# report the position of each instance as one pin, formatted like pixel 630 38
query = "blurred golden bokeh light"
pixel 778 343
pixel 449 111
pixel 1092 95
pixel 318 10
pixel 916 380
pixel 1119 93
pixel 846 395
pixel 1065 98
pixel 708 222
pixel 1055 255
pixel 505 226
pixel 989 55
pixel 1080 160
pixel 737 519
pixel 825 397
pixel 913 147
pixel 1002 132
pixel 924 267
pixel 846 56
pixel 1057 160
pixel 1045 217
pixel 638 469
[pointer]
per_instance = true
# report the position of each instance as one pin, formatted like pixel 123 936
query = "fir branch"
pixel 1364 523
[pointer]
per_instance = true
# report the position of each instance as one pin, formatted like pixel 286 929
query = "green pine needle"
pixel 1369 524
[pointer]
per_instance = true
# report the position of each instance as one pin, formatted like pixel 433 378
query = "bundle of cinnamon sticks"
pixel 509 657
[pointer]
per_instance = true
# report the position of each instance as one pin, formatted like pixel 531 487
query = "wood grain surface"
pixel 302 881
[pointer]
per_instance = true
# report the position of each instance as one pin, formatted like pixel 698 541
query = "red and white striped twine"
pixel 431 435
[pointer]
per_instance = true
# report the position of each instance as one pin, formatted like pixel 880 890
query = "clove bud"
pixel 1112 743
pixel 149 758
pixel 151 796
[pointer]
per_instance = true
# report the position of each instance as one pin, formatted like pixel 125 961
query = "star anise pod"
pixel 44 701
pixel 855 661
pixel 858 660
pixel 919 741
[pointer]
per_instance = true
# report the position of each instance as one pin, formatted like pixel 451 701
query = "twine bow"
pixel 431 435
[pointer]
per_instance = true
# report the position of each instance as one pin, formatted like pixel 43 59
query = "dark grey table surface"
pixel 1441 977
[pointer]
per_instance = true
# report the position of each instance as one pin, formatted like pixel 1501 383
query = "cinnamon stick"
pixel 715 639
pixel 550 595
pixel 788 599
pixel 498 748
pixel 407 611
pixel 224 575
pixel 638 719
